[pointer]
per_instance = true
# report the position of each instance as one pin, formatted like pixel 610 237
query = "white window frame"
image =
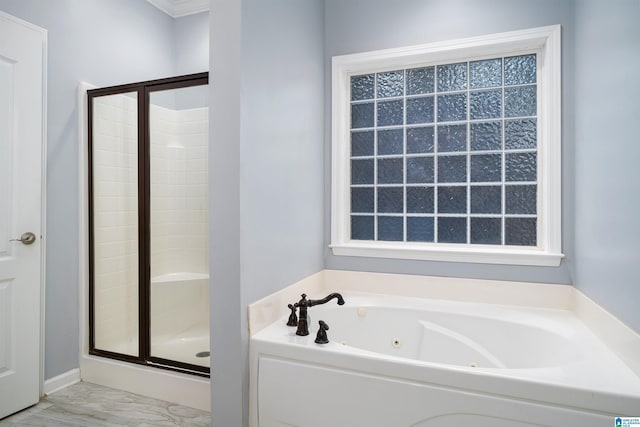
pixel 545 42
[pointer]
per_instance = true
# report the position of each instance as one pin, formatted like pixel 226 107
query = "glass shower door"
pixel 179 230
pixel 114 230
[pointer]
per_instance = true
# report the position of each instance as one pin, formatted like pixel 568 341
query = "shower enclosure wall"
pixel 148 223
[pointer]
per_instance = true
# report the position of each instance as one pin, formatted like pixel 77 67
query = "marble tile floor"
pixel 89 405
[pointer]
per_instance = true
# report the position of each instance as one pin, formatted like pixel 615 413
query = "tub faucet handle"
pixel 321 337
pixel 293 317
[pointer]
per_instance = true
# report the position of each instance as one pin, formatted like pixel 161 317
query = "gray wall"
pixel 281 173
pixel 267 148
pixel 607 172
pixel 227 313
pixel 362 25
pixel 191 51
pixel 103 43
pixel 191 43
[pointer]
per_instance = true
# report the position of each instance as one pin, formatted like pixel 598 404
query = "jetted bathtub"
pixel 399 361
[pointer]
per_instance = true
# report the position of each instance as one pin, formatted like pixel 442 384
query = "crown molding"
pixel 190 7
pixel 179 8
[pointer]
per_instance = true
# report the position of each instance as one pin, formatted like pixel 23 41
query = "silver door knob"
pixel 26 238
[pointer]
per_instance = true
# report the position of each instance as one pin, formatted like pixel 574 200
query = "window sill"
pixel 450 253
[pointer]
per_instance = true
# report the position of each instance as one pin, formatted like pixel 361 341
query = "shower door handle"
pixel 26 239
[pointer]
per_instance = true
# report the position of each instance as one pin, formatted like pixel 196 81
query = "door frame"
pixel 43 188
pixel 43 215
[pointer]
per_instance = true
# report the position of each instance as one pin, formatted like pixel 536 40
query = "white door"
pixel 22 49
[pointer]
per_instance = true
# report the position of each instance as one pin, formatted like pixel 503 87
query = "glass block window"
pixel 450 151
pixel 446 153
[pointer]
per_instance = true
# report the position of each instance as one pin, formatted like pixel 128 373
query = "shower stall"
pixel 148 223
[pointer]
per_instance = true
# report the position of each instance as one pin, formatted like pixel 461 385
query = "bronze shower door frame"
pixel 143 90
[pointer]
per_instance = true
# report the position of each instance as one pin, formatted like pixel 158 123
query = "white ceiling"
pixel 178 8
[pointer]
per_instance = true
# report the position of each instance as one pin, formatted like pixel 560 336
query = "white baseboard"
pixel 61 381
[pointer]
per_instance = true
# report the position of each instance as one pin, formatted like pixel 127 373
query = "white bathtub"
pixel 399 361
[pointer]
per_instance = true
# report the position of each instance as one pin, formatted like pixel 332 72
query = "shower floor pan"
pixel 187 347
